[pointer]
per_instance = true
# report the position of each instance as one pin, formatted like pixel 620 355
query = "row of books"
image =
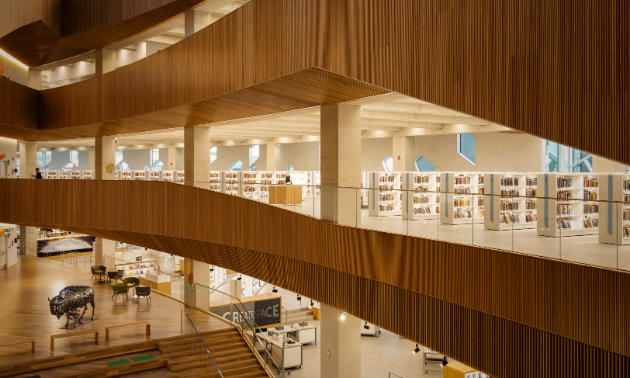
pixel 509 181
pixel 531 192
pixel 591 222
pixel 461 190
pixel 481 180
pixel 565 209
pixel 590 195
pixel 530 217
pixel 590 183
pixel 387 178
pixel 532 181
pixel 509 218
pixel 460 180
pixel 480 201
pixel 531 205
pixel 463 202
pixel 509 206
pixel 421 199
pixel 421 179
pixel 480 190
pixel 510 193
pixel 564 183
pixel 387 197
pixel 388 207
pixel 462 214
pixel 386 187
pixel 231 175
pixel 422 210
pixel 565 195
pixel 563 224
pixel 626 230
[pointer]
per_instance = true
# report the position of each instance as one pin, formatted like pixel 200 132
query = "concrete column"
pixel 104 154
pixel 404 154
pixel 105 61
pixel 35 79
pixel 28 159
pixel 105 253
pixel 92 161
pixel 196 272
pixel 340 344
pixel 172 159
pixel 28 240
pixel 195 21
pixel 341 163
pixel 274 157
pixel 197 156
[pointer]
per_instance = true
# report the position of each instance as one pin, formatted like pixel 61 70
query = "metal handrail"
pixel 246 319
pixel 204 345
pixel 395 375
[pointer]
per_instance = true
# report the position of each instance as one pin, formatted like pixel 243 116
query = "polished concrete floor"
pixel 25 312
pixel 583 249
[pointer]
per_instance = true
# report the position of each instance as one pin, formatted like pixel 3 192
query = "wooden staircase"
pixel 230 352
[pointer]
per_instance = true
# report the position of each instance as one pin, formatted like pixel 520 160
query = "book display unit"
pixel 384 194
pixel 138 269
pixel 140 175
pixel 251 187
pixel 153 175
pixel 75 175
pixel 569 215
pixel 167 176
pixel 124 175
pixel 250 286
pixel 87 175
pixel 179 177
pixel 265 179
pixel 216 181
pixel 63 175
pixel 233 182
pixel 218 276
pixel 508 206
pixel 422 200
pixel 458 205
pixel 50 175
pixel 614 218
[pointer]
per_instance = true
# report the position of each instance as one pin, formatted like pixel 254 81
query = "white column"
pixel 197 156
pixel 105 61
pixel 274 157
pixel 340 345
pixel 196 272
pixel 104 155
pixel 28 159
pixel 92 161
pixel 35 79
pixel 105 253
pixel 171 165
pixel 341 163
pixel 195 21
pixel 28 240
pixel 404 154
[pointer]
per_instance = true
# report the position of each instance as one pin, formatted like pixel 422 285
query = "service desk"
pixel 285 195
pixel 158 282
pixel 290 354
pixel 303 335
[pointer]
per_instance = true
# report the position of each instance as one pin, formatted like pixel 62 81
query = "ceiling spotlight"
pixel 274 290
pixel 366 326
pixel 417 350
pixel 299 298
pixel 212 269
pixel 239 277
pixel 342 316
pixel 443 363
pixel 311 305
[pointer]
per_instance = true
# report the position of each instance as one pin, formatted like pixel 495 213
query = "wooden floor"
pixel 25 312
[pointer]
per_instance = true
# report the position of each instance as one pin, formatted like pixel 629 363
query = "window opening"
pixel 424 165
pixel 466 147
pixel 388 164
pixel 237 165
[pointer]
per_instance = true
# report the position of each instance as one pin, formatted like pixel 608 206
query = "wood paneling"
pixel 507 314
pixel 38 32
pixel 18 110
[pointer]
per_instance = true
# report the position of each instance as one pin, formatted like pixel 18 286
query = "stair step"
pixel 252 367
pixel 211 343
pixel 230 355
pixel 215 349
pixel 204 335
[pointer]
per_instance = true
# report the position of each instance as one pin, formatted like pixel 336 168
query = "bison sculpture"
pixel 69 302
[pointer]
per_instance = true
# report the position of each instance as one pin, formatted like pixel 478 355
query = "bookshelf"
pixel 124 175
pixel 153 175
pixel 218 276
pixel 137 269
pixel 614 218
pixel 75 175
pixel 51 175
pixel 140 175
pixel 179 177
pixel 422 202
pixel 508 207
pixel 564 216
pixel 384 195
pixel 590 208
pixel 217 181
pixel 457 204
pixel 87 175
pixel 251 187
pixel 265 179
pixel 233 182
pixel 62 175
pixel 479 200
pixel 167 176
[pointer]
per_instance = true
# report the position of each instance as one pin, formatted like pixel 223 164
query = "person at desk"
pixel 287 180
pixel 37 174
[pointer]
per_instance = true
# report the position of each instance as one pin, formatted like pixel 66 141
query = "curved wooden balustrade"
pixel 508 314
pixel 38 32
pixel 537 66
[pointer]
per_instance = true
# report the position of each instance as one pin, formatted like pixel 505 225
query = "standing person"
pixel 37 174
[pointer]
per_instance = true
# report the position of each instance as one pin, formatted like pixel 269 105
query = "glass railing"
pixel 574 225
pixel 80 260
pixel 269 344
pixel 189 327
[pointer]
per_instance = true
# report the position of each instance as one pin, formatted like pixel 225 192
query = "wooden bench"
pixel 148 325
pixel 31 341
pixel 61 336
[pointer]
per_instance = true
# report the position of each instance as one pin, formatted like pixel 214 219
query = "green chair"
pixel 131 282
pixel 120 288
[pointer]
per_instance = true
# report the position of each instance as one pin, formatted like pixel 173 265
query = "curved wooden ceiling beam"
pixel 508 314
pixel 38 32
pixel 537 66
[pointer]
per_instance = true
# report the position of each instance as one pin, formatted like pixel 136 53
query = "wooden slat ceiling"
pixel 38 32
pixel 507 314
pixel 557 70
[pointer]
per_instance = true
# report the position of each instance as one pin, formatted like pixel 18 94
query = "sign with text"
pixel 264 313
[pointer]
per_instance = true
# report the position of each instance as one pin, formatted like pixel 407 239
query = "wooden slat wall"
pixel 554 69
pixel 508 314
pixel 19 118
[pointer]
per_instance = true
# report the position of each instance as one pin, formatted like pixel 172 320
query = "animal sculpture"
pixel 69 302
